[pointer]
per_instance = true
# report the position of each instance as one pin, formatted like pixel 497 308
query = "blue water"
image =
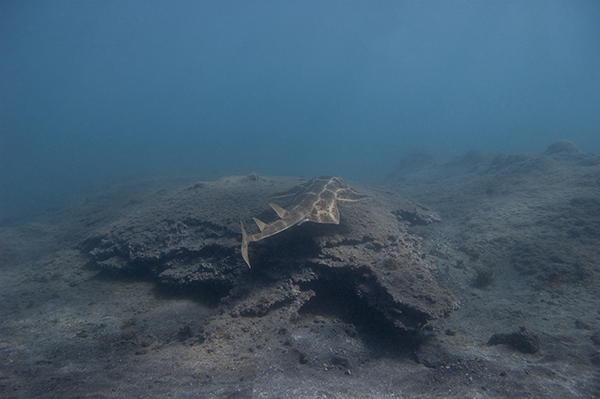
pixel 90 89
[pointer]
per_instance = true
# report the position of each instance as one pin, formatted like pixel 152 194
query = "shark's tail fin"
pixel 245 245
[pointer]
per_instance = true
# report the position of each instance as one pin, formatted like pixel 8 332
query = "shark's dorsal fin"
pixel 261 225
pixel 280 211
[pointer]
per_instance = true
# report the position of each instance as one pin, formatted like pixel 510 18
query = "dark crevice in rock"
pixel 296 245
pixel 334 298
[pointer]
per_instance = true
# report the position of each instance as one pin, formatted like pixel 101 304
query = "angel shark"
pixel 314 201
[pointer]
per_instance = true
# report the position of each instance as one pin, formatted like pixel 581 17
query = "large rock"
pixel 189 240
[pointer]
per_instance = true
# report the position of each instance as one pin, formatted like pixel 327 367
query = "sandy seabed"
pixel 518 245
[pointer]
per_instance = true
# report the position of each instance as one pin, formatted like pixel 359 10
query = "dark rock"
pixel 302 358
pixel 432 355
pixel 341 362
pixel 524 341
pixel 241 394
pixel 184 333
pixel 583 325
pixel 596 338
pixel 484 277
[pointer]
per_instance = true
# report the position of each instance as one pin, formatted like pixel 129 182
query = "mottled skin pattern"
pixel 314 201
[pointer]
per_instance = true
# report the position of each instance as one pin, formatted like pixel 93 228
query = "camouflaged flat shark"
pixel 314 201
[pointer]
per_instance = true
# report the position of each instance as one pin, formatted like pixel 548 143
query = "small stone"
pixel 524 341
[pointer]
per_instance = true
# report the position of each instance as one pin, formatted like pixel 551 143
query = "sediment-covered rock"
pixel 189 240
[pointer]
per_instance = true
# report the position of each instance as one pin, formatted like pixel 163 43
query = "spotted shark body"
pixel 314 201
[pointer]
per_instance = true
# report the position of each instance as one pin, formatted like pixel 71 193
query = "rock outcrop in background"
pixel 540 212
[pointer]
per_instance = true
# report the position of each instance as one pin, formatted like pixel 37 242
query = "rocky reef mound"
pixel 188 240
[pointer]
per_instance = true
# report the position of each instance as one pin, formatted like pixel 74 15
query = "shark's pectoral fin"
pixel 261 225
pixel 280 211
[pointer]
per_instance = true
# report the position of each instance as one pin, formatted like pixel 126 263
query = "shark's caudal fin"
pixel 245 245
